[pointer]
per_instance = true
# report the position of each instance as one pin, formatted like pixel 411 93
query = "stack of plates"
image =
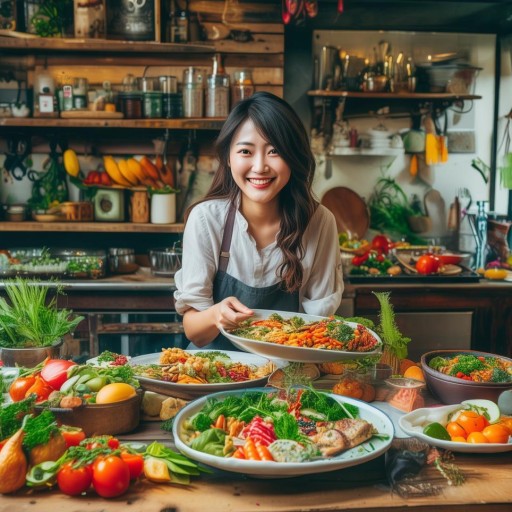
pixel 378 138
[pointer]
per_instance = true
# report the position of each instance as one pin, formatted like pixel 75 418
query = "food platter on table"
pixel 414 422
pixel 191 390
pixel 364 452
pixel 295 353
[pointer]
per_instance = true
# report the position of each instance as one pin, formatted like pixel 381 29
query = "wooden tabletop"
pixel 364 488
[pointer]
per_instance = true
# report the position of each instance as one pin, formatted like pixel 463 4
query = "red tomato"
pixel 73 437
pixel 381 243
pixel 19 387
pixel 74 481
pixel 135 463
pixel 428 264
pixel 55 372
pixel 39 388
pixel 110 476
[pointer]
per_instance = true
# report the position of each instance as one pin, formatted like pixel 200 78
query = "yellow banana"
pixel 125 171
pixel 136 169
pixel 71 163
pixel 113 171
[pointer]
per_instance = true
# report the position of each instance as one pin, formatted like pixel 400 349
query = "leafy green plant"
pixel 48 20
pixel 166 189
pixel 29 319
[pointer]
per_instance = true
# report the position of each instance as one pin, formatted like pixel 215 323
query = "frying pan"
pixel 351 212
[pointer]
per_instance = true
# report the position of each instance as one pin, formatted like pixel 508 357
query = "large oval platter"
pixel 362 453
pixel 188 391
pixel 295 354
pixel 414 422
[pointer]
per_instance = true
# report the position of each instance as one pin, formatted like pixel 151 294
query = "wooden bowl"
pixel 29 357
pixel 99 419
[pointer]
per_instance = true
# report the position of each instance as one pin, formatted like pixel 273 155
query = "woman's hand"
pixel 230 312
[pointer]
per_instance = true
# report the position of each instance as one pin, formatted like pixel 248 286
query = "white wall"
pixel 360 173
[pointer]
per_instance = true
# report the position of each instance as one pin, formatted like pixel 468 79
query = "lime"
pixel 437 431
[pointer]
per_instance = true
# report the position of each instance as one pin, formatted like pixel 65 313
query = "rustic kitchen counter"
pixel 362 488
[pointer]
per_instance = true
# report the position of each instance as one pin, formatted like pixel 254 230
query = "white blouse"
pixel 320 293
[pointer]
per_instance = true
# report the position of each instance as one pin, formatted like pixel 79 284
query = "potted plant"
pixel 163 204
pixel 31 324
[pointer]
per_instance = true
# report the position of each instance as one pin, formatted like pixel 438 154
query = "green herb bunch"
pixel 29 318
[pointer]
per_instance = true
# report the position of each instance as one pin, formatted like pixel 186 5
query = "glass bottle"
pixel 481 231
pixel 177 22
pixel 243 86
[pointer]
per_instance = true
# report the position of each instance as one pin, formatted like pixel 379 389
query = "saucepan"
pixel 165 261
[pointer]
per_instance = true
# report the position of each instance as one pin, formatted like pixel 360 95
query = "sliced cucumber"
pixel 489 409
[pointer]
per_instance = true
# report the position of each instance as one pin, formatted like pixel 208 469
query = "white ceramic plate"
pixel 414 422
pixel 364 452
pixel 295 354
pixel 188 391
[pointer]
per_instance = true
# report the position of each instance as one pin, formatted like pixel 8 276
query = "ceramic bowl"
pixel 452 390
pixel 29 357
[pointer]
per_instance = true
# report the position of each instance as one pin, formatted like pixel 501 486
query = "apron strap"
pixel 226 239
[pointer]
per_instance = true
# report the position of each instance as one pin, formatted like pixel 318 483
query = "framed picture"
pixel 133 20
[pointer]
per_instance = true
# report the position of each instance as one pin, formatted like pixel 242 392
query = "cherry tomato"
pixel 72 436
pixel 73 481
pixel 455 430
pixel 110 476
pixel 476 438
pixel 428 264
pixel 357 261
pixel 55 372
pixel 39 388
pixel 19 387
pixel 135 463
pixel 470 421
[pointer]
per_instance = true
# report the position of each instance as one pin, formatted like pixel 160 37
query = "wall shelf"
pixel 417 96
pixel 90 227
pixel 366 152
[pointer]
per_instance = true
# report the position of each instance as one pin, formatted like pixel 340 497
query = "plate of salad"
pixel 303 338
pixel 193 373
pixel 271 433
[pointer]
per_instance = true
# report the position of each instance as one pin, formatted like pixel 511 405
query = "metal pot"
pixel 122 260
pixel 165 261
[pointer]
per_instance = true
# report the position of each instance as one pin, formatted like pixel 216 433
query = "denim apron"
pixel 269 297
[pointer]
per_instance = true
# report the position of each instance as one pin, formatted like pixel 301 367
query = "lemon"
pixel 495 273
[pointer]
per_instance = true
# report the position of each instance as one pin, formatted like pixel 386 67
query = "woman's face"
pixel 257 168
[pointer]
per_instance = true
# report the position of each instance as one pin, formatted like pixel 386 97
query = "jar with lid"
pixel 243 86
pixel 152 104
pixel 130 104
pixel 193 92
pixel 217 96
pixel 80 90
pixel 172 100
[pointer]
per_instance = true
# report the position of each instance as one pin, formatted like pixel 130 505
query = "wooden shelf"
pixel 90 227
pixel 441 96
pixel 214 123
pixel 366 152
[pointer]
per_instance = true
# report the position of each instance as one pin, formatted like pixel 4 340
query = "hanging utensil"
pixel 285 14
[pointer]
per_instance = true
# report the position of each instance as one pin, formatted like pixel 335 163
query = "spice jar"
pixel 152 105
pixel 217 96
pixel 193 98
pixel 172 100
pixel 243 86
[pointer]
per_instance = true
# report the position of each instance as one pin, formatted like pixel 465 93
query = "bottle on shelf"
pixel 177 22
pixel 481 232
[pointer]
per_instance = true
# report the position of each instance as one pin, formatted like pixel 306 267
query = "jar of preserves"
pixel 130 104
pixel 217 96
pixel 243 86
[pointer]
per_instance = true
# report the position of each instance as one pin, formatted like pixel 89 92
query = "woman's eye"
pixel 244 152
pixel 273 151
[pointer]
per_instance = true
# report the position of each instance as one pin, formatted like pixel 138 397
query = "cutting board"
pixel 90 114
pixel 435 208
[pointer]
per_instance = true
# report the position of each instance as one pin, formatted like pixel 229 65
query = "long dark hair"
pixel 278 123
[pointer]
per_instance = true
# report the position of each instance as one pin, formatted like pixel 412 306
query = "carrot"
pixel 250 451
pixel 238 453
pixel 264 452
pixel 220 422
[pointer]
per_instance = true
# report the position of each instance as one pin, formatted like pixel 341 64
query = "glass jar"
pixel 193 92
pixel 217 96
pixel 152 106
pixel 130 104
pixel 243 86
pixel 172 105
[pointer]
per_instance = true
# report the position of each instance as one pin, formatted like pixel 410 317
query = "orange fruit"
pixel 414 372
pixel 406 363
pixel 455 430
pixel 477 438
pixel 459 439
pixel 496 433
pixel 470 421
pixel 506 421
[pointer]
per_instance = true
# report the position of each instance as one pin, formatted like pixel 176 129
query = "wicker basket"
pixel 78 212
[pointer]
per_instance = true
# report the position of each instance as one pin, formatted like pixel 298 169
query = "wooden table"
pixel 488 488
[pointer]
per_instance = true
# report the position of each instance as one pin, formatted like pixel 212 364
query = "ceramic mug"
pixel 163 208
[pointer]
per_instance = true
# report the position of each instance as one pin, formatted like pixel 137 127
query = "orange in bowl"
pixel 414 372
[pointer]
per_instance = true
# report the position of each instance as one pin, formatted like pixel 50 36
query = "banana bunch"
pixel 131 172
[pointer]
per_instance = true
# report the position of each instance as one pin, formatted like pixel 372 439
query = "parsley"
pixel 327 406
pixel 340 331
pixel 39 429
pixel 11 416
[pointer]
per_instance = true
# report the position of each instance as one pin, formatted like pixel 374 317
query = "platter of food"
pixel 435 426
pixel 193 373
pixel 333 432
pixel 303 338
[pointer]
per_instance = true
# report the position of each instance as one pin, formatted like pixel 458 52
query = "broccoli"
pixel 467 364
pixel 201 421
pixel 437 362
pixel 500 375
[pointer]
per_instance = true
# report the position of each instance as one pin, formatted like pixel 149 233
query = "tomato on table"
pixel 40 388
pixel 74 481
pixel 135 463
pixel 428 264
pixel 110 476
pixel 72 436
pixel 55 372
pixel 381 243
pixel 470 421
